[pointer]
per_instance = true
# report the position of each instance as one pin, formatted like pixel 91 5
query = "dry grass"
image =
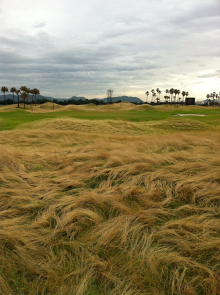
pixel 97 213
pixel 123 106
pixel 48 107
pixel 119 127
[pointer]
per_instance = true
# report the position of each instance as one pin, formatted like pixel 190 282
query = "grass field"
pixel 109 202
pixel 11 117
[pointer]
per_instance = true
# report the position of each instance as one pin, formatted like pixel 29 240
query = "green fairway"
pixel 10 120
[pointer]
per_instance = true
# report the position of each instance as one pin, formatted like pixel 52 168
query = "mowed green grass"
pixel 11 120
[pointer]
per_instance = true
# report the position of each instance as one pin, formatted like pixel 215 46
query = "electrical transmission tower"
pixel 109 95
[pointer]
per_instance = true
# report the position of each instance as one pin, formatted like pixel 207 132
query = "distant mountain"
pixel 124 99
pixel 10 96
pixel 77 98
pixel 114 99
pixel 7 96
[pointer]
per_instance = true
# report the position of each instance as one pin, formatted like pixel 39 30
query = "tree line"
pixel 211 98
pixel 172 98
pixel 22 93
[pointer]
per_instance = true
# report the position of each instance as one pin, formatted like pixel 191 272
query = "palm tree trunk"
pixel 5 98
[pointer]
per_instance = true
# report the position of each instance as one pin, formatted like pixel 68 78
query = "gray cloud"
pixel 39 24
pixel 210 75
pixel 116 45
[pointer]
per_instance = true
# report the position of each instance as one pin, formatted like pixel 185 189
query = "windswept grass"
pixel 89 209
pixel 119 127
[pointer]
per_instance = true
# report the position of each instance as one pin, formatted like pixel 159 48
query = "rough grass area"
pixel 49 106
pixel 99 213
pixel 119 127
pixel 11 117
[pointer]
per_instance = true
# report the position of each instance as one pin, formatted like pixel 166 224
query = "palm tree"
pixel 154 95
pixel 4 89
pixel 24 95
pixel 23 88
pixel 207 96
pixel 166 99
pixel 152 91
pixel 183 94
pixel 178 93
pixel 18 92
pixel 157 90
pixel 175 91
pixel 36 92
pixel 167 92
pixel 171 93
pixel 187 94
pixel 213 98
pixel 13 90
pixel 179 98
pixel 216 99
pixel 147 93
pixel 32 92
pixel 28 91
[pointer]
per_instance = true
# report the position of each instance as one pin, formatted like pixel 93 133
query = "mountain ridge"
pixel 123 98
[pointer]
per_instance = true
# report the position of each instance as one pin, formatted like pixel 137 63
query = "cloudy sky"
pixel 84 47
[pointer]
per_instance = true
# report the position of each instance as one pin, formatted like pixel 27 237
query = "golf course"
pixel 110 199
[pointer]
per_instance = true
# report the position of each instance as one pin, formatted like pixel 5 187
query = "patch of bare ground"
pixel 94 213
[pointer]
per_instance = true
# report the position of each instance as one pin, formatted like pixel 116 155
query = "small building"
pixel 190 101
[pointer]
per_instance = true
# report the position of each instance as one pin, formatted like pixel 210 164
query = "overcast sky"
pixel 84 47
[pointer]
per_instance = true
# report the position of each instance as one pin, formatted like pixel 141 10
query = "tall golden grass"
pixel 122 106
pixel 120 127
pixel 97 213
pixel 50 107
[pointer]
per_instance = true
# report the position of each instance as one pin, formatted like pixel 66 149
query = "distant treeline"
pixel 65 102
